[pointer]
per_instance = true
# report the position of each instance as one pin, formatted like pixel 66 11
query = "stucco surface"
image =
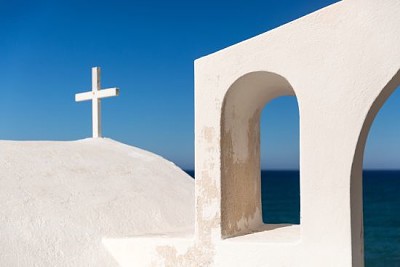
pixel 60 200
pixel 341 63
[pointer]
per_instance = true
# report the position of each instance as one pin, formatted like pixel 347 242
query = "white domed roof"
pixel 58 200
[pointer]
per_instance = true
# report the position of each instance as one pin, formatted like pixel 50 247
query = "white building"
pixel 341 63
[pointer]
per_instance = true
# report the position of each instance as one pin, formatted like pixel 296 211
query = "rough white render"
pixel 60 200
pixel 341 63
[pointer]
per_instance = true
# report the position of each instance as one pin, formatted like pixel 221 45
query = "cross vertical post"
pixel 96 104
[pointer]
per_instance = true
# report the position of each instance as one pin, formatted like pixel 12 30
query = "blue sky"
pixel 146 48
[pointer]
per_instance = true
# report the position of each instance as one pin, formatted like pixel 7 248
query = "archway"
pixel 381 187
pixel 241 211
pixel 356 183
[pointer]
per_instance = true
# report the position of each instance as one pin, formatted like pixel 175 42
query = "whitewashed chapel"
pixel 96 202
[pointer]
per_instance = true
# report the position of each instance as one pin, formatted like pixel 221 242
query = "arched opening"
pixel 241 209
pixel 280 177
pixel 381 187
pixel 356 183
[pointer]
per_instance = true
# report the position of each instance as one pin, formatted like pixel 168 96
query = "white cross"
pixel 95 95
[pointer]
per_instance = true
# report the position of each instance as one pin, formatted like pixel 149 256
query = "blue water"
pixel 281 204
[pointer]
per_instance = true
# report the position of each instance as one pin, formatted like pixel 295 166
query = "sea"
pixel 381 195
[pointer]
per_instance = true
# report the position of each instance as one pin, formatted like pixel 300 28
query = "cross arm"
pixel 109 92
pixel 83 96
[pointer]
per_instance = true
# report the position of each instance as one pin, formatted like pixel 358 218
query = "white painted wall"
pixel 341 63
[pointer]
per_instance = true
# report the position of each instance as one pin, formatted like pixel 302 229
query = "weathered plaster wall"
pixel 337 61
pixel 341 63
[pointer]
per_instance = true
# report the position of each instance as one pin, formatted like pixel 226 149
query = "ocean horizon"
pixel 280 193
